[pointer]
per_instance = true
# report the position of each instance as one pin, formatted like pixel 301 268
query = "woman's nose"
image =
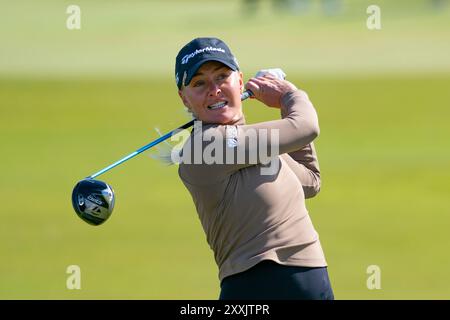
pixel 214 89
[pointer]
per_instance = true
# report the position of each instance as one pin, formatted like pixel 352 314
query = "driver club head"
pixel 93 201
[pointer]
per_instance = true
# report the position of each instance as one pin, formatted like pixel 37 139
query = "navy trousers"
pixel 269 280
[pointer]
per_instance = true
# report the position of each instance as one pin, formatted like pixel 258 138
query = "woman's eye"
pixel 223 76
pixel 198 83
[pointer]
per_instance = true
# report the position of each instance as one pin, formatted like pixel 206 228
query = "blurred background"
pixel 72 101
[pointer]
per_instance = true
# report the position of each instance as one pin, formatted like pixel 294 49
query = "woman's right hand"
pixel 269 89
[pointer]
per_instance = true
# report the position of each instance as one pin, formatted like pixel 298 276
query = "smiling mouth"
pixel 218 105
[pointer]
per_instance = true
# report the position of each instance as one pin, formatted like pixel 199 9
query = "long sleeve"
pixel 305 165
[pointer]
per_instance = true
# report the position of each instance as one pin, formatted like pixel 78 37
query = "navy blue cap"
pixel 199 51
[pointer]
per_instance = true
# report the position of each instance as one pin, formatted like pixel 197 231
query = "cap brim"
pixel 196 66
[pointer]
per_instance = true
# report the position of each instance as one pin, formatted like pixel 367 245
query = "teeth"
pixel 217 105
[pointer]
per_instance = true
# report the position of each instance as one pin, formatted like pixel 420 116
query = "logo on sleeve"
pixel 231 136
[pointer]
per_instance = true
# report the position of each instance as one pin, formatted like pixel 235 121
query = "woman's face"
pixel 214 94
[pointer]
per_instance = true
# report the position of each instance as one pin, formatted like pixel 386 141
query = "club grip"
pixel 246 94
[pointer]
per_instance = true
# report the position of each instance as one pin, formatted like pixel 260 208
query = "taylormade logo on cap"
pixel 186 58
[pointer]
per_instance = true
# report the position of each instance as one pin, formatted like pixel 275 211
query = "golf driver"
pixel 93 200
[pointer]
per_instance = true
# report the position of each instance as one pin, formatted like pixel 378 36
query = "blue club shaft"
pixel 244 96
pixel 146 147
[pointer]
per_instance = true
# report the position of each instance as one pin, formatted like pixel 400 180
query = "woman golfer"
pixel 249 182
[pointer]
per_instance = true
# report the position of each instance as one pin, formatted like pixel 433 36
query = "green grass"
pixel 72 102
pixel 384 155
pixel 142 37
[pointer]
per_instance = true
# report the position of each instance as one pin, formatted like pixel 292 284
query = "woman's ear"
pixel 183 98
pixel 241 81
